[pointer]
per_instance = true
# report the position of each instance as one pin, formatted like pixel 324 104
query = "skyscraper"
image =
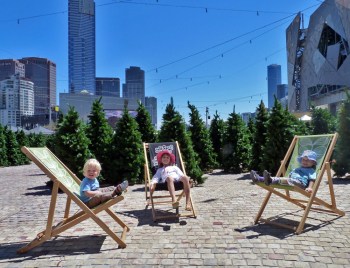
pixel 151 107
pixel 273 79
pixel 134 87
pixel 81 46
pixel 42 72
pixel 16 100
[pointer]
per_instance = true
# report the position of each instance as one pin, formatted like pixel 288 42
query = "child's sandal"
pixel 176 204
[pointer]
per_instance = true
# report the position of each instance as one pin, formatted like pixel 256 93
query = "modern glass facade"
pixel 108 86
pixel 134 87
pixel 273 79
pixel 81 46
pixel 42 72
pixel 151 107
pixel 318 58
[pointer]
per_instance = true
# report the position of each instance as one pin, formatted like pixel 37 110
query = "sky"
pixel 211 53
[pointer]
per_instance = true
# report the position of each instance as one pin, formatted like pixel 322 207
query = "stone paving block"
pixel 222 235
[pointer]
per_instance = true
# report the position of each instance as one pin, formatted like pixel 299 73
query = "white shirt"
pixel 165 172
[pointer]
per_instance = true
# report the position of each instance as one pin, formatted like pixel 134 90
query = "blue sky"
pixel 212 53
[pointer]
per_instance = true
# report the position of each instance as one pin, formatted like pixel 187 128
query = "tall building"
pixel 108 86
pixel 16 100
pixel 318 58
pixel 9 67
pixel 151 107
pixel 81 46
pixel 42 72
pixel 273 79
pixel 282 91
pixel 134 87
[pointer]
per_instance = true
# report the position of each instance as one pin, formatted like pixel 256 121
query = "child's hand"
pixel 309 190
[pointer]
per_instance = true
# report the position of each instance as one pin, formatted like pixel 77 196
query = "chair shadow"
pixel 340 181
pixel 75 246
pixel 244 177
pixel 209 200
pixel 279 232
pixel 39 190
pixel 139 189
pixel 36 174
pixel 144 217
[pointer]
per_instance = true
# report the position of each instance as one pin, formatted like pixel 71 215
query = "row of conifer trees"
pixel 230 145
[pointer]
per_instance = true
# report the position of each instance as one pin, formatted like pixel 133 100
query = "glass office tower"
pixel 273 79
pixel 81 46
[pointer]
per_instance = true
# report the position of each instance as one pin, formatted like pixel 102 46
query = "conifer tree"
pixel 72 144
pixel 216 130
pixel 143 119
pixel 100 133
pixel 297 126
pixel 236 146
pixel 279 134
pixel 322 121
pixel 126 154
pixel 201 141
pixel 173 129
pixel 3 148
pixel 36 140
pixel 251 129
pixel 259 138
pixel 14 154
pixel 342 152
pixel 22 140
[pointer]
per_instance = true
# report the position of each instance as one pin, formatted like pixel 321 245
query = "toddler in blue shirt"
pixel 303 176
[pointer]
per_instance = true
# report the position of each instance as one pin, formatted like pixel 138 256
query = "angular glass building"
pixel 319 58
pixel 81 46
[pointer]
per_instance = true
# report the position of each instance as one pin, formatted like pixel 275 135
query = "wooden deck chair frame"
pixel 310 201
pixel 68 182
pixel 156 198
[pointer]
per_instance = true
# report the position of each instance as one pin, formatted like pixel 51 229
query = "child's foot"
pixel 120 188
pixel 267 177
pixel 255 176
pixel 176 204
pixel 188 207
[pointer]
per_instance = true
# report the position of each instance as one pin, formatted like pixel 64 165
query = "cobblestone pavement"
pixel 223 234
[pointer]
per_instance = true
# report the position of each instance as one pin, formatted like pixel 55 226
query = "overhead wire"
pixel 194 54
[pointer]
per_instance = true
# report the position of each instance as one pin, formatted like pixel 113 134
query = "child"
pixel 90 192
pixel 303 176
pixel 168 172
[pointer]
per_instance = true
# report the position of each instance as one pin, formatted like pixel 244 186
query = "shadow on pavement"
pixel 59 246
pixel 262 229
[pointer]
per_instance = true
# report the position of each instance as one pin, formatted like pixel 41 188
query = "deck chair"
pixel 65 180
pixel 323 145
pixel 157 198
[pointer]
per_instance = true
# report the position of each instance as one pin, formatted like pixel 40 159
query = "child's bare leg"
pixel 153 187
pixel 171 188
pixel 186 182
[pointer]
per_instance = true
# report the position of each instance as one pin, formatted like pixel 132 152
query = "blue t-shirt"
pixel 304 175
pixel 88 185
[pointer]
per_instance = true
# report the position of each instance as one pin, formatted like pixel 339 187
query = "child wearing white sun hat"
pixel 303 176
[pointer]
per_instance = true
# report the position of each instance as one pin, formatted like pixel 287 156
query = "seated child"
pixel 90 192
pixel 303 176
pixel 168 172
